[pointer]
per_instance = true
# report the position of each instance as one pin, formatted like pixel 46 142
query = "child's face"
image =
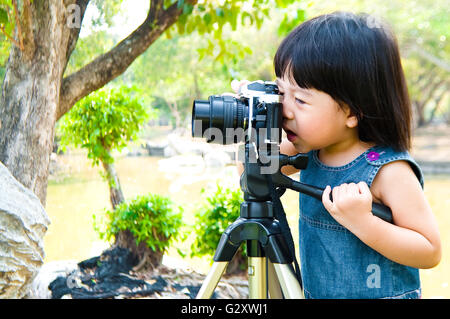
pixel 312 119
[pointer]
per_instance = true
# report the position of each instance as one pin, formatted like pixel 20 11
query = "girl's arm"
pixel 413 238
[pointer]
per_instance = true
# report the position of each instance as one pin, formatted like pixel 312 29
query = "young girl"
pixel 346 104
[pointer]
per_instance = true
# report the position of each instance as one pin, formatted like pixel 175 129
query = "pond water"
pixel 78 191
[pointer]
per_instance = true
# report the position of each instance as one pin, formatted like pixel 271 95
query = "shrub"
pixel 150 219
pixel 221 209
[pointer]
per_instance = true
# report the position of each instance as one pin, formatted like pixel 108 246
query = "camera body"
pixel 254 118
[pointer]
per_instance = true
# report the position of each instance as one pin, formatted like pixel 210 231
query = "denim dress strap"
pixel 334 262
pixel 379 156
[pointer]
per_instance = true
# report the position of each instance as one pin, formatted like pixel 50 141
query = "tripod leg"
pixel 257 281
pixel 274 284
pixel 212 279
pixel 288 282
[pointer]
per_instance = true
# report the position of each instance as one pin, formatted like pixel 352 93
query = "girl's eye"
pixel 299 101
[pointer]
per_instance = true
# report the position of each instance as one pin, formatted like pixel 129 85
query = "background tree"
pixel 103 122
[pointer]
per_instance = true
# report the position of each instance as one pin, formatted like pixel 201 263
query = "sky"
pixel 133 13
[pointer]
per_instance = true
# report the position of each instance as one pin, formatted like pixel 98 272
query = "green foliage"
pixel 7 18
pixel 5 46
pixel 151 219
pixel 220 210
pixel 210 19
pixel 107 10
pixel 103 121
pixel 88 48
pixel 291 20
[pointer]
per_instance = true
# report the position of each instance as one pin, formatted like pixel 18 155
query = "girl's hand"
pixel 351 206
pixel 236 86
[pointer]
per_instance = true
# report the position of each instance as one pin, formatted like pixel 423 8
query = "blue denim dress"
pixel 334 262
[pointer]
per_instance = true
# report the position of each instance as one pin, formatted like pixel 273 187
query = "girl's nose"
pixel 287 112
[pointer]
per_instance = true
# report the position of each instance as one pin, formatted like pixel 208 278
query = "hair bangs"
pixel 306 56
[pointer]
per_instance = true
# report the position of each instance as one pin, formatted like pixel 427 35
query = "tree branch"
pixel 431 58
pixel 114 62
pixel 19 28
pixel 155 6
pixel 17 44
pixel 28 35
pixel 437 102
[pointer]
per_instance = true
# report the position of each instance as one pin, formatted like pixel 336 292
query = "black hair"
pixel 355 59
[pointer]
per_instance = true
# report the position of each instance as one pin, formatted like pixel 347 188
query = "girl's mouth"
pixel 291 136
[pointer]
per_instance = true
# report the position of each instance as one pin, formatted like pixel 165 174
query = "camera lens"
pixel 200 112
pixel 218 118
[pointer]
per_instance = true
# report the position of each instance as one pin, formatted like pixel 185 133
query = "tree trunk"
pixel 115 190
pixel 238 265
pixel 146 258
pixel 173 107
pixel 31 95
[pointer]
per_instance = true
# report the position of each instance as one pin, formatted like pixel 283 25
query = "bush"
pixel 150 219
pixel 221 209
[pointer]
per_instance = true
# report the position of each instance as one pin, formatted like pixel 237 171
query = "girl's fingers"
pixel 336 192
pixel 327 203
pixel 236 85
pixel 363 188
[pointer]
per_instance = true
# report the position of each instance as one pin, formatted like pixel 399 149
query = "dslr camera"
pixel 255 118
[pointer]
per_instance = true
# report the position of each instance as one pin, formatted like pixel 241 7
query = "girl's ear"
pixel 352 121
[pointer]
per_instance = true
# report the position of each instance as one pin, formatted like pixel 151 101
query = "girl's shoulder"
pixel 393 168
pixel 387 161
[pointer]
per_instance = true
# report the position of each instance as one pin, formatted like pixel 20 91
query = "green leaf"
pixel 220 12
pixel 3 16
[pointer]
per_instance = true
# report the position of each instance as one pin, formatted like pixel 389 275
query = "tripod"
pixel 265 240
pixel 269 257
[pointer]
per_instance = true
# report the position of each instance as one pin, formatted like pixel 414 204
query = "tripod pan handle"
pixel 378 210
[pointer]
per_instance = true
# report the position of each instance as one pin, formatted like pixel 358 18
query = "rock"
pixel 217 159
pixel 168 151
pixel 182 145
pixel 23 224
pixel 155 149
pixel 180 162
